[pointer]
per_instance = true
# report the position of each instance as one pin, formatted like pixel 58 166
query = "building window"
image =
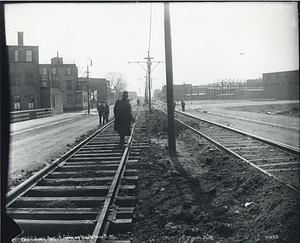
pixel 29 79
pixel 54 71
pixel 31 101
pixel 17 102
pixel 16 79
pixel 69 71
pixel 44 71
pixel 28 56
pixel 70 99
pixel 16 55
pixel 69 84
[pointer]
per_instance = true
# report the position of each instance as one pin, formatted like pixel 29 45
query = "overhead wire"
pixel 150 28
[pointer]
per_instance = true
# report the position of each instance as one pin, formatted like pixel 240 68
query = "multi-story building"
pixel 51 87
pixel 180 92
pixel 281 85
pixel 63 77
pixel 100 89
pixel 24 76
pixel 199 89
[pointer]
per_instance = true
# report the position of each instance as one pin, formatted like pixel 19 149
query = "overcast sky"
pixel 210 41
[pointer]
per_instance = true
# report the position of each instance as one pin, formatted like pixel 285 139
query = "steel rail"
pixel 291 149
pixel 35 184
pixel 285 147
pixel 22 188
pixel 103 214
pixel 218 145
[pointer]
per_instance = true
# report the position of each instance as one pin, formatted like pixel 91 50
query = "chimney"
pixel 20 39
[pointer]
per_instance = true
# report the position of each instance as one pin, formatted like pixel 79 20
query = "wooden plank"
pixel 39 202
pixel 282 170
pixel 53 213
pixel 92 167
pixel 67 191
pixel 131 179
pixel 75 181
pixel 116 158
pixel 279 164
pixel 96 154
pixel 125 201
pixel 66 174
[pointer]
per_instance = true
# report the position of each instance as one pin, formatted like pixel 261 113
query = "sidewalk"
pixel 34 123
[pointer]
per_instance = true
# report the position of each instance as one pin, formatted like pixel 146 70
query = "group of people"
pixel 182 105
pixel 103 111
pixel 123 117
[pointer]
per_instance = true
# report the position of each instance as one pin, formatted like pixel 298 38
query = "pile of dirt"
pixel 212 197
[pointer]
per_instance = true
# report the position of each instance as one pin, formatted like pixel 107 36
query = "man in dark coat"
pixel 100 109
pixel 105 112
pixel 183 105
pixel 123 118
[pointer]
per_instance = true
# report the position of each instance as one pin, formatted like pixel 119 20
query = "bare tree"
pixel 117 81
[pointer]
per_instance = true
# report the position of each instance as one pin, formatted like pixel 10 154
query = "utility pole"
pixel 169 77
pixel 148 70
pixel 88 84
pixel 149 63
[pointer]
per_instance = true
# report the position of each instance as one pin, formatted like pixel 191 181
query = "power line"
pixel 150 27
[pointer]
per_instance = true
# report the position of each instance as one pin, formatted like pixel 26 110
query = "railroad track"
pixel 275 159
pixel 85 195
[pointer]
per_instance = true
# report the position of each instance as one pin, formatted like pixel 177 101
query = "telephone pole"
pixel 149 63
pixel 169 77
pixel 88 83
pixel 148 70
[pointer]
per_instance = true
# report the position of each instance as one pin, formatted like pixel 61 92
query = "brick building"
pixel 100 89
pixel 51 87
pixel 180 92
pixel 24 76
pixel 66 76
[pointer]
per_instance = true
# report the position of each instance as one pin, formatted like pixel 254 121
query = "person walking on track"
pixel 100 109
pixel 123 118
pixel 105 113
pixel 183 105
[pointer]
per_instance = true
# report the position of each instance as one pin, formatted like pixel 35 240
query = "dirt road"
pixel 38 143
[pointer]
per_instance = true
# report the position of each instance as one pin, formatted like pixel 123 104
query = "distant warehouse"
pixel 281 85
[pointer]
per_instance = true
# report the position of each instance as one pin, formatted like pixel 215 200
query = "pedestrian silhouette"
pixel 183 105
pixel 123 118
pixel 105 112
pixel 100 109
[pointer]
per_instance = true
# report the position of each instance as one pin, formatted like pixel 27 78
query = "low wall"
pixel 18 116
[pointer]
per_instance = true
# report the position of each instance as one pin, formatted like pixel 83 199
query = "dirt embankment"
pixel 209 196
